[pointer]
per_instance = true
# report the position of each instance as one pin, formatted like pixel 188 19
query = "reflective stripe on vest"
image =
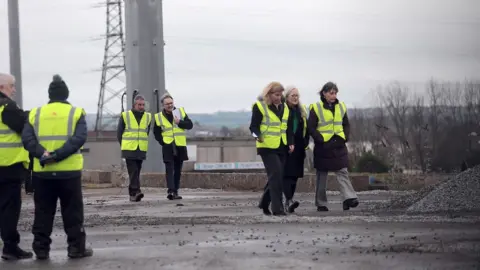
pixel 329 124
pixel 135 135
pixel 170 131
pixel 54 124
pixel 273 130
pixel 11 146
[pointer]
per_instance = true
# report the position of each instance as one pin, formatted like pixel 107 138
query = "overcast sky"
pixel 228 50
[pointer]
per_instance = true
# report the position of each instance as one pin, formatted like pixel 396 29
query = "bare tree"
pixel 225 131
pixel 395 98
pixel 418 130
pixel 471 95
pixel 434 93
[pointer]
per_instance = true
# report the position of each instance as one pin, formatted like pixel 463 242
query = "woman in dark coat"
pixel 269 115
pixel 329 127
pixel 294 166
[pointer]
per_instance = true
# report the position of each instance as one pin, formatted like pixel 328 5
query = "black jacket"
pixel 169 149
pixel 294 164
pixel 14 118
pixel 70 147
pixel 137 154
pixel 256 121
pixel 331 155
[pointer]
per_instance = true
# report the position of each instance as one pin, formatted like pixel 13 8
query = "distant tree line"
pixel 437 130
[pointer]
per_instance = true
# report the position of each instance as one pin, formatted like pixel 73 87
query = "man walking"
pixel 132 134
pixel 13 158
pixel 169 131
pixel 54 135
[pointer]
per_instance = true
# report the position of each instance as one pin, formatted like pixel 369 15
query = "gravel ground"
pixel 461 193
pixel 214 229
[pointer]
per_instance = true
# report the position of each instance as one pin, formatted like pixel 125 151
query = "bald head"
pixel 7 84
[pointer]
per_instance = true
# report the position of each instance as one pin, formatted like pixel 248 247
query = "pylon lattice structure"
pixel 113 83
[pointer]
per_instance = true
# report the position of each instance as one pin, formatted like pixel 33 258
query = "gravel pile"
pixel 405 200
pixel 461 193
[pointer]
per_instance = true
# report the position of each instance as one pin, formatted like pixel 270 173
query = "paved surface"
pixel 224 230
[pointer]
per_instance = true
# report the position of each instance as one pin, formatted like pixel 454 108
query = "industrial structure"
pixel 14 47
pixel 139 58
pixel 113 82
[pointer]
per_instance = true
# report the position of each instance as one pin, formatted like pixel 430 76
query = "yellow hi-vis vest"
pixel 135 135
pixel 272 129
pixel 54 124
pixel 11 146
pixel 171 132
pixel 329 124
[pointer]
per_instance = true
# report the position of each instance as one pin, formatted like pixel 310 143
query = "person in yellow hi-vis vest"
pixel 169 130
pixel 13 158
pixel 329 127
pixel 54 135
pixel 294 165
pixel 132 134
pixel 271 125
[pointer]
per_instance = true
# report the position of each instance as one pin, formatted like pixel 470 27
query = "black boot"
pixel 290 206
pixel 78 254
pixel 16 254
pixel 170 196
pixel 139 196
pixel 281 213
pixel 350 203
pixel 265 209
pixel 322 209
pixel 42 255
pixel 176 196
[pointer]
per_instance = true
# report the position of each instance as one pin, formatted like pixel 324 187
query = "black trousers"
pixel 10 206
pixel 28 177
pixel 272 192
pixel 289 186
pixel 47 192
pixel 28 182
pixel 173 173
pixel 134 167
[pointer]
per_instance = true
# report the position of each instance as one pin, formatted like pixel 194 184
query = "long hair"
pixel 270 88
pixel 288 91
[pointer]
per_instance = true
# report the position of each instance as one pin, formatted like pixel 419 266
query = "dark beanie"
pixel 58 89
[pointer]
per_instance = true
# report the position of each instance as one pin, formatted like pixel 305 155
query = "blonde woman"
pixel 271 125
pixel 294 166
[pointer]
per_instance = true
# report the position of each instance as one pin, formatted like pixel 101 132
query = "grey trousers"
pixel 346 188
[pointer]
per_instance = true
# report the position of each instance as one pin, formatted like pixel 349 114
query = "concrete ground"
pixel 212 229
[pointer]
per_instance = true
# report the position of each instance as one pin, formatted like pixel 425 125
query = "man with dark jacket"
pixel 13 158
pixel 132 133
pixel 329 127
pixel 169 131
pixel 54 135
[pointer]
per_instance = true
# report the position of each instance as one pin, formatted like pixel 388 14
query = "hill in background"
pixel 231 120
pixel 218 119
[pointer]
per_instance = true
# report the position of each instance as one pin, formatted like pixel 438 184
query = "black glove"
pixel 44 160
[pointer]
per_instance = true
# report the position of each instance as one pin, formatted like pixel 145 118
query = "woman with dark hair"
pixel 294 165
pixel 329 127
